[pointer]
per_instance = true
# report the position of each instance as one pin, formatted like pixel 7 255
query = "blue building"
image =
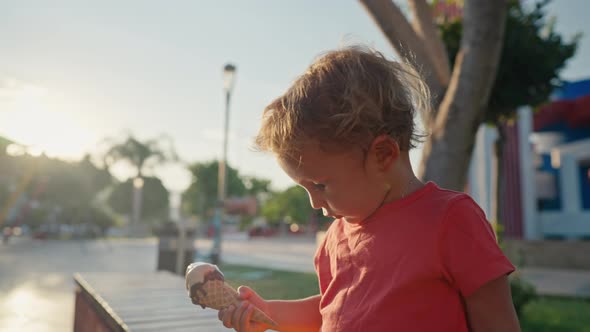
pixel 546 179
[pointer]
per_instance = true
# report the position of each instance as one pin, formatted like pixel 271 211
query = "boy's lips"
pixel 328 214
pixel 331 215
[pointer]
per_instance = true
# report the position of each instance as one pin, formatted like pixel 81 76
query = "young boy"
pixel 400 255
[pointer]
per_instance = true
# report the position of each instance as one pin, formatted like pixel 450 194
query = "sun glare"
pixel 31 117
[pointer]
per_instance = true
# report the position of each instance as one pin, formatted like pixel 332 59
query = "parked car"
pixel 261 231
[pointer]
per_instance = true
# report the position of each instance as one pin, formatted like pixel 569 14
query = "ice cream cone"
pixel 219 295
pixel 207 288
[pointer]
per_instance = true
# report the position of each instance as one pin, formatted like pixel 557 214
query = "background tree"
pixel 201 196
pixel 141 156
pixel 533 54
pixel 52 190
pixel 532 57
pixel 69 189
pixel 155 199
pixel 72 184
pixel 256 185
pixel 293 203
pixel 461 94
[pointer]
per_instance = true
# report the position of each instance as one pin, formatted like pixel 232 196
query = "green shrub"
pixel 522 293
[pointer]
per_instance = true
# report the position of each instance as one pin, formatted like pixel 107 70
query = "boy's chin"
pixel 351 220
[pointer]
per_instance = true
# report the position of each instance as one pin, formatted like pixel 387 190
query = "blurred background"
pixel 126 144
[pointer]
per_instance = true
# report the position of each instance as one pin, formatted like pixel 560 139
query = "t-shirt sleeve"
pixel 469 252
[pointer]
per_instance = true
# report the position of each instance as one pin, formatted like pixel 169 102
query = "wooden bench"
pixel 114 302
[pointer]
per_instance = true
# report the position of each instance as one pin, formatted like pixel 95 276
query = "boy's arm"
pixel 297 315
pixel 490 308
pixel 290 315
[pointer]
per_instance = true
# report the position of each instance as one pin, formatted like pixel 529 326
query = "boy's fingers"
pixel 246 316
pixel 237 315
pixel 226 317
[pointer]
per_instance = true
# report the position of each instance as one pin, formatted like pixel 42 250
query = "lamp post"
pixel 229 72
pixel 136 211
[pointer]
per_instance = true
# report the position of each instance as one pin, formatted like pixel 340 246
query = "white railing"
pixel 567 224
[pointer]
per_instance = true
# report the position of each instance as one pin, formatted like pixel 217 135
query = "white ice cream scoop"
pixel 196 272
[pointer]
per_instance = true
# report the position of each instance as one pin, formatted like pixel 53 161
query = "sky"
pixel 73 73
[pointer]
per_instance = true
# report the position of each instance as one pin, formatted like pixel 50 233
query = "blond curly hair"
pixel 346 98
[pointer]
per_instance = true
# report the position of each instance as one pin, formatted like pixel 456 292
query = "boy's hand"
pixel 239 318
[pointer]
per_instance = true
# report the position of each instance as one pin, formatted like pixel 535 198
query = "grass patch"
pixel 272 284
pixel 556 314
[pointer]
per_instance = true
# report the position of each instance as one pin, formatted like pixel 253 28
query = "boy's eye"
pixel 319 186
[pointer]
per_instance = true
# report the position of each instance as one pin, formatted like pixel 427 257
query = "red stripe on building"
pixel 511 216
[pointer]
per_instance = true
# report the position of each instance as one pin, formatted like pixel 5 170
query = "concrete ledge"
pixel 549 253
pixel 558 282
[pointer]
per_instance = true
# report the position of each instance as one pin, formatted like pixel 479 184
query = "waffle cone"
pixel 219 295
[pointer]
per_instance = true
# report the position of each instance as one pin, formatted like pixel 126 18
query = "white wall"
pixel 481 170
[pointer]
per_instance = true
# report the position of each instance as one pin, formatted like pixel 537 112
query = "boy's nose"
pixel 316 203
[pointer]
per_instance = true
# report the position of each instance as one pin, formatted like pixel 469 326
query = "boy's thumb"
pixel 246 293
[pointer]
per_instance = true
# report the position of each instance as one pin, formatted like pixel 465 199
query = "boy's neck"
pixel 403 181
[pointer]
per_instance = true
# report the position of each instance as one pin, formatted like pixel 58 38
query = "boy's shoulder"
pixel 445 196
pixel 450 202
pixel 440 201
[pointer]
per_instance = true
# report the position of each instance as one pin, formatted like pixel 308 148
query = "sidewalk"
pixel 558 282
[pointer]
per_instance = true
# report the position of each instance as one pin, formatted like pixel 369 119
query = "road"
pixel 287 253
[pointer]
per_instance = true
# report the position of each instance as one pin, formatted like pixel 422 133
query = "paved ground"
pixel 36 288
pixel 289 254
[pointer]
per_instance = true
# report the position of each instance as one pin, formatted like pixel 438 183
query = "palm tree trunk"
pixel 407 43
pixel 427 30
pixel 447 153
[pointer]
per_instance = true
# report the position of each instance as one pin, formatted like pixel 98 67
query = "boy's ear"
pixel 386 151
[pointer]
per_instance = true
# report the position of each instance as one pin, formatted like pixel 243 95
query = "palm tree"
pixel 141 156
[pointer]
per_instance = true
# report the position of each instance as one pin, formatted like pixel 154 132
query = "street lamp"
pixel 229 73
pixel 136 211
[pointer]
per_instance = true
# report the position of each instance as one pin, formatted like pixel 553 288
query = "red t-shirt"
pixel 407 267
